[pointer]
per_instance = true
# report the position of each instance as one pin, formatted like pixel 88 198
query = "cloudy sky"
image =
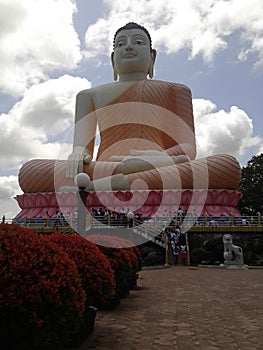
pixel 51 49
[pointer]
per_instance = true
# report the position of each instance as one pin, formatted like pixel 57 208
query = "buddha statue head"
pixel 132 56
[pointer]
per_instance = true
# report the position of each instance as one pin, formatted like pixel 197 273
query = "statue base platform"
pixel 232 266
pixel 149 203
pixel 223 266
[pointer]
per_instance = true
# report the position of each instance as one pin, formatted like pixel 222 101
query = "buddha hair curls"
pixel 132 25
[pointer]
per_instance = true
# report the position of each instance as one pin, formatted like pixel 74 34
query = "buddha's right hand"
pixel 76 161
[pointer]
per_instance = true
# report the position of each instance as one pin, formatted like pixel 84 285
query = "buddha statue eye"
pixel 120 43
pixel 140 42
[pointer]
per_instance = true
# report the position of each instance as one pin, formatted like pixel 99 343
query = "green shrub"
pixel 251 258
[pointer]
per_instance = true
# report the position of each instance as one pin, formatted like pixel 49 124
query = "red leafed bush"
pixel 123 261
pixel 94 268
pixel 41 297
pixel 135 257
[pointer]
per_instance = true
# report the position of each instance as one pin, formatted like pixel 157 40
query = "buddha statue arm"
pixel 142 160
pixel 84 134
pixel 183 149
pixel 178 150
pixel 134 164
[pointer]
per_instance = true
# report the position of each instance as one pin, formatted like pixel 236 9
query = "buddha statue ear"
pixel 115 74
pixel 153 57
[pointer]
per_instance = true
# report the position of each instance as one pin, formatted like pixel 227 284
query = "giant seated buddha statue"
pixel 147 135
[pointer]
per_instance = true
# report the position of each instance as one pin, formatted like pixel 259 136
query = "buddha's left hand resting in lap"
pixel 147 137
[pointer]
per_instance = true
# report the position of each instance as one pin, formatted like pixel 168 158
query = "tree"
pixel 251 186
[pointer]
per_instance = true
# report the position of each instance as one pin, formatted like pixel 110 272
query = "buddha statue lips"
pixel 129 55
pixel 146 132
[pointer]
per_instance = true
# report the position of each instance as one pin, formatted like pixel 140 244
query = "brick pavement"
pixel 186 308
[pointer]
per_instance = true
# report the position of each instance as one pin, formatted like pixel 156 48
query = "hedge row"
pixel 48 283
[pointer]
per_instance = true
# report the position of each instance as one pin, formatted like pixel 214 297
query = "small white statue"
pixel 233 254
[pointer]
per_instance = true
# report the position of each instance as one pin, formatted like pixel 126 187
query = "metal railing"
pixel 150 223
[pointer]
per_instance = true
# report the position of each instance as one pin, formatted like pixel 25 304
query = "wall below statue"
pixel 207 247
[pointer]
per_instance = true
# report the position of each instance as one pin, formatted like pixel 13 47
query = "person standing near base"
pixel 175 251
pixel 183 253
pixel 130 217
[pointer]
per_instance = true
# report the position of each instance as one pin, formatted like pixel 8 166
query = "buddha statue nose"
pixel 129 44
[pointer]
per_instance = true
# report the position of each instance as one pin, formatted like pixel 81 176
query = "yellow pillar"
pixel 187 249
pixel 145 228
pixel 181 220
pixel 88 220
pixel 259 219
pixel 206 219
pixel 48 222
pixel 166 250
pixel 232 220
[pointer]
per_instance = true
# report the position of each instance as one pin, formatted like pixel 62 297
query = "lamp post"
pixel 82 181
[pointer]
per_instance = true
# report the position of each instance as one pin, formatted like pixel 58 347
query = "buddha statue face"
pixel 132 53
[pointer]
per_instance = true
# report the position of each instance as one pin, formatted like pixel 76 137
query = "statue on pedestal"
pixel 146 129
pixel 233 254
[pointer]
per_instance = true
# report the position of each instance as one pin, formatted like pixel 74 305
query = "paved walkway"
pixel 186 308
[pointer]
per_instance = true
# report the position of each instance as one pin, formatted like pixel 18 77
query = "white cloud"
pixel 202 27
pixel 8 189
pixel 229 132
pixel 8 186
pixel 33 127
pixel 260 149
pixel 37 37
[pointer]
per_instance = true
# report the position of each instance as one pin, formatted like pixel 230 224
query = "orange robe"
pixel 150 115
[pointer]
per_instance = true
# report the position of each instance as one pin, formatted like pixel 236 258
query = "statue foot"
pixel 68 189
pixel 110 183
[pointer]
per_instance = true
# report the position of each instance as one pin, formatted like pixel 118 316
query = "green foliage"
pixel 251 186
pixel 253 259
